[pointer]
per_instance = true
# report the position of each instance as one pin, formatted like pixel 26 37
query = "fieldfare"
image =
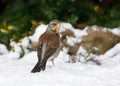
pixel 48 45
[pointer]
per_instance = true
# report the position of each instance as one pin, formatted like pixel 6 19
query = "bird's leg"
pixel 52 60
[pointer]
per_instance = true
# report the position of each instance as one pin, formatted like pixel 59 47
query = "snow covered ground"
pixel 16 72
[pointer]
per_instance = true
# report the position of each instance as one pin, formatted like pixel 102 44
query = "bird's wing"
pixel 48 44
pixel 39 49
pixel 45 51
pixel 49 51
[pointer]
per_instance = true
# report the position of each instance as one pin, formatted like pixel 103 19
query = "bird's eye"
pixel 54 24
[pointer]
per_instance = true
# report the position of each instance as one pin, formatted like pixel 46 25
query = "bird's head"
pixel 54 26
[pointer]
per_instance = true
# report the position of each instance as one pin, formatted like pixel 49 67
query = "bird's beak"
pixel 56 28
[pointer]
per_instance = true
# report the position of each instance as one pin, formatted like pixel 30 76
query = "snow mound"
pixel 39 30
pixel 3 49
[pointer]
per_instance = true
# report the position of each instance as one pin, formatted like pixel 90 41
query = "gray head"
pixel 54 26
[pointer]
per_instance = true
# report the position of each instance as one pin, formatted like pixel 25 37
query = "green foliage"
pixel 22 52
pixel 103 15
pixel 15 19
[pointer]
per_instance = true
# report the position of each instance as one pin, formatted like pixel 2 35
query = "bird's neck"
pixel 52 32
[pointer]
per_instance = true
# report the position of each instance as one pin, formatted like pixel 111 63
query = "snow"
pixel 116 31
pixel 26 42
pixel 65 26
pixel 17 72
pixel 3 49
pixel 71 41
pixel 16 47
pixel 115 49
pixel 39 30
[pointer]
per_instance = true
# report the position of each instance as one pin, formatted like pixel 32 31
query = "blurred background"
pixel 19 18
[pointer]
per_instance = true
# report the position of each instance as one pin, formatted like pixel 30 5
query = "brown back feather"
pixel 52 41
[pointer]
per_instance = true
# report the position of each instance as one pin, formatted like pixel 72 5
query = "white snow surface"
pixel 17 72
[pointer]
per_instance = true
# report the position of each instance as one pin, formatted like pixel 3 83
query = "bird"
pixel 48 45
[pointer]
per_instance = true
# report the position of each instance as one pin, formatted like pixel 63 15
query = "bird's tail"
pixel 35 69
pixel 38 67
